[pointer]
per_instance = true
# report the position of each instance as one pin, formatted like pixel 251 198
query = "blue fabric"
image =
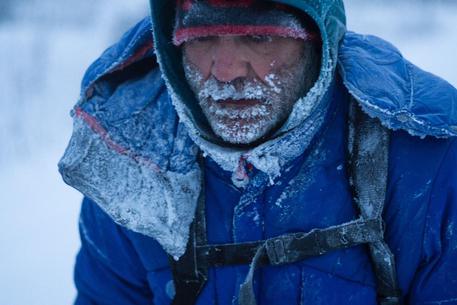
pixel 118 266
pixel 391 88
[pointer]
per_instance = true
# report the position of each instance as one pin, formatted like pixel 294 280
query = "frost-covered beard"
pixel 244 110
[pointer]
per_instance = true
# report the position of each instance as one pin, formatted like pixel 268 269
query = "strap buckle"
pixel 276 250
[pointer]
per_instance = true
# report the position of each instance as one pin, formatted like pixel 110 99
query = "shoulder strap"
pixel 190 272
pixel 368 159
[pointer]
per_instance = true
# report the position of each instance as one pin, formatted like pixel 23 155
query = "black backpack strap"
pixel 368 163
pixel 189 275
pixel 190 272
pixel 292 248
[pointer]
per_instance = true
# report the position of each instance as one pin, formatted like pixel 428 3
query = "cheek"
pixel 289 59
pixel 277 60
pixel 289 52
pixel 199 60
pixel 264 66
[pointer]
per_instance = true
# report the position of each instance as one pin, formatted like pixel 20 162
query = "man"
pixel 250 153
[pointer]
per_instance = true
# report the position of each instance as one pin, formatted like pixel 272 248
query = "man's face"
pixel 248 85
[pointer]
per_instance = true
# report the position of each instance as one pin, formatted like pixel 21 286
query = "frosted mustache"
pixel 223 91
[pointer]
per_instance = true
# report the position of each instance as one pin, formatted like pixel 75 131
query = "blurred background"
pixel 45 46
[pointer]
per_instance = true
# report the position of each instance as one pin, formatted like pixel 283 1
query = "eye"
pixel 202 42
pixel 204 39
pixel 259 38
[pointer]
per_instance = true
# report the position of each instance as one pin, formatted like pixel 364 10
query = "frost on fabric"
pixel 137 195
pixel 305 178
pixel 423 190
pixel 85 235
pixel 369 157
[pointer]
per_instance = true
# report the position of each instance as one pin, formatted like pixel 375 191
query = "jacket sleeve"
pixel 436 281
pixel 108 270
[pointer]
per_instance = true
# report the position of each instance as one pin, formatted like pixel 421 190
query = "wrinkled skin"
pixel 248 85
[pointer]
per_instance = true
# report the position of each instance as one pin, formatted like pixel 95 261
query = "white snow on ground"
pixel 44 51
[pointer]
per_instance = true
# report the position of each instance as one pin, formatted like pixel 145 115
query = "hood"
pixel 133 156
pixel 296 132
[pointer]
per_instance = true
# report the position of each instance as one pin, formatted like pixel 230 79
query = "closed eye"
pixel 204 39
pixel 259 38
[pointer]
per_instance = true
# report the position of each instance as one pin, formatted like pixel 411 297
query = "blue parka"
pixel 133 156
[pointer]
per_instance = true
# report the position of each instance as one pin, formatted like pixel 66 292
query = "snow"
pixel 48 48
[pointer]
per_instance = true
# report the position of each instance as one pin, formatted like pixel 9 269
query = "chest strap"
pixel 368 150
pixel 292 248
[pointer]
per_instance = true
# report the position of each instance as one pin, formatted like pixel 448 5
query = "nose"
pixel 229 62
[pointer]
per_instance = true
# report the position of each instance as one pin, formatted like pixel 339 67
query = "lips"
pixel 242 103
pixel 247 110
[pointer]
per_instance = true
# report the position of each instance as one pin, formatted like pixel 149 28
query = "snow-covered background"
pixel 45 47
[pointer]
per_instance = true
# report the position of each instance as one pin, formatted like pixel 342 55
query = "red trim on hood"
pixel 139 54
pixel 98 129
